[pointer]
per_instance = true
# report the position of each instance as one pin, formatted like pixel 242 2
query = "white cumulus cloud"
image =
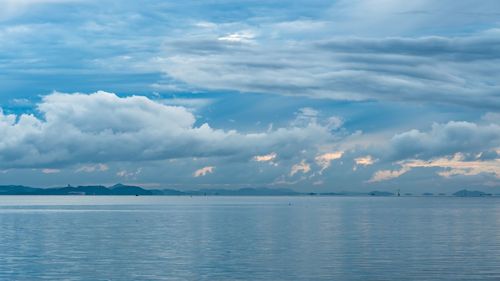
pixel 102 127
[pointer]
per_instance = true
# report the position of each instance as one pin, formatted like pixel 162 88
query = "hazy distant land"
pixel 121 189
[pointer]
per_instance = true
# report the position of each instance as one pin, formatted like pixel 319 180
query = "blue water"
pixel 249 238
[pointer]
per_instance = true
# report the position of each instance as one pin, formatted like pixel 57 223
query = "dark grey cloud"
pixel 445 48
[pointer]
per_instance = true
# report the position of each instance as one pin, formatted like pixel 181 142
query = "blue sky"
pixel 309 95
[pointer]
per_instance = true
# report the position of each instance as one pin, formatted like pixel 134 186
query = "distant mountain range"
pixel 121 189
pixel 471 193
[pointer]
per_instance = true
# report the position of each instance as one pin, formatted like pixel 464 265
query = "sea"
pixel 249 238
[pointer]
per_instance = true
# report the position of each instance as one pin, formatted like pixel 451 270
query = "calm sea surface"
pixel 249 238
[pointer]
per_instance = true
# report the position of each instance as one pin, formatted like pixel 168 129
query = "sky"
pixel 320 96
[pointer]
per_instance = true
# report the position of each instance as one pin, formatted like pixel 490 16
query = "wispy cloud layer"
pixel 449 166
pixel 426 69
pixel 313 56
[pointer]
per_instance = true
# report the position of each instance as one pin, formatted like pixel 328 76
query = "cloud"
pixel 389 17
pixel 302 167
pixel 411 69
pixel 12 8
pixel 51 171
pixel 238 37
pixel 458 165
pixel 204 171
pixel 335 122
pixel 189 103
pixel 266 157
pixel 384 175
pixel 492 117
pixel 129 174
pixel 457 147
pixel 324 160
pixel 429 53
pixel 93 168
pixel 445 48
pixel 450 166
pixel 306 115
pixel 337 54
pixel 446 139
pixel 365 160
pixel 102 128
